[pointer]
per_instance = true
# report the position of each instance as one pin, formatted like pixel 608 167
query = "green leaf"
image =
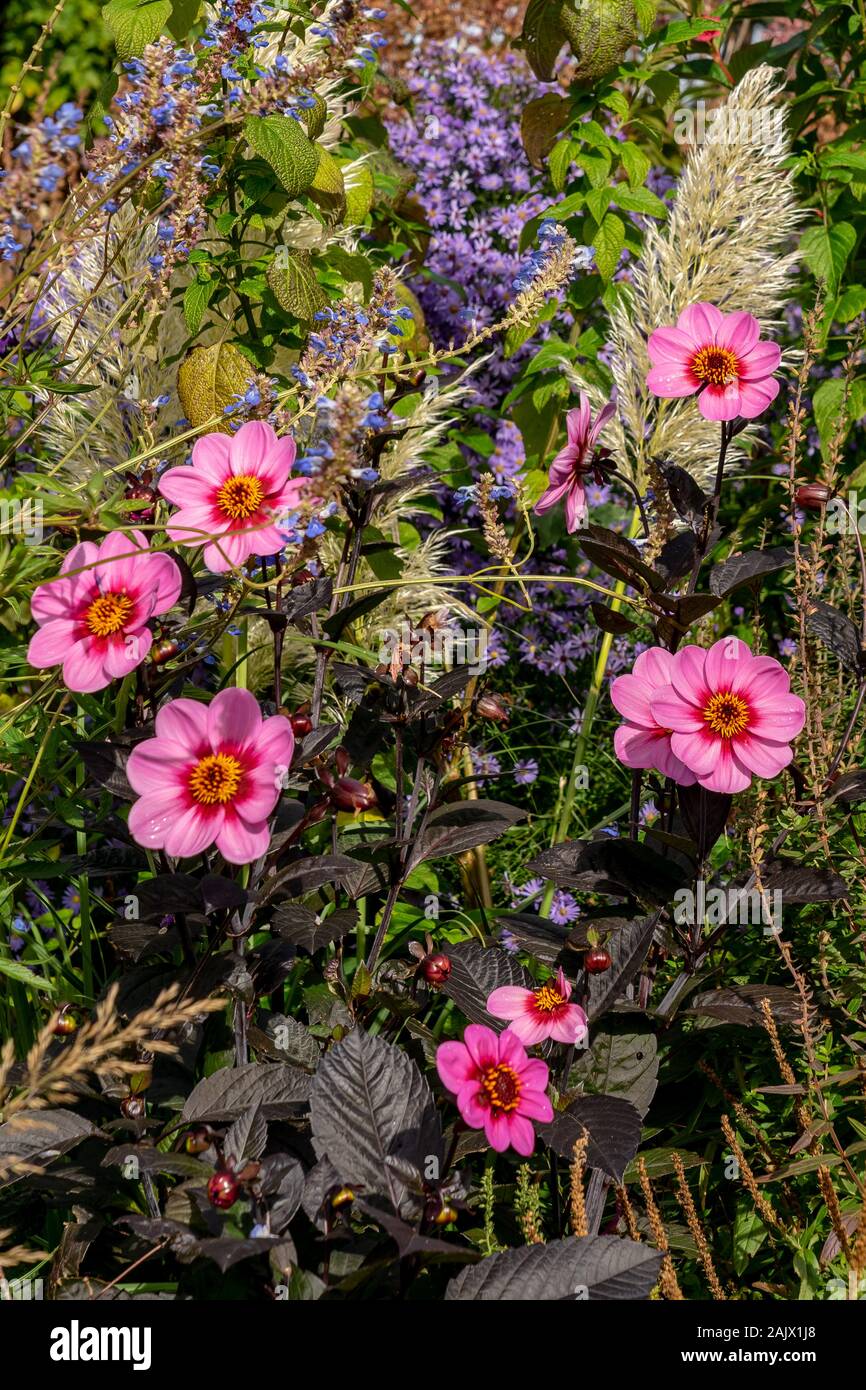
pixel 360 191
pixel 295 287
pixel 596 167
pixel 281 142
pixel 826 250
pixel 635 163
pixel 559 163
pixel 849 304
pixel 598 202
pixel 195 301
pixel 24 975
pixel 208 379
pixel 353 267
pixel 832 410
pixel 315 117
pixel 327 189
pixel 183 16
pixel 135 23
pixel 646 11
pixel 608 241
pixel 638 200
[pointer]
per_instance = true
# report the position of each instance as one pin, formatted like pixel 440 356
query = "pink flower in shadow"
pixel 499 1089
pixel 571 465
pixel 541 1013
pixel 93 619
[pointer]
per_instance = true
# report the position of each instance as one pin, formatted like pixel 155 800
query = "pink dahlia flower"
pixel 212 775
pixel 719 356
pixel 499 1089
pixel 642 741
pixel 233 495
pixel 95 623
pixel 541 1013
pixel 732 714
pixel 572 463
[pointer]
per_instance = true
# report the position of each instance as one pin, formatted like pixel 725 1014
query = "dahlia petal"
pixel 699 751
pixel 266 541
pixel 158 765
pixel 669 765
pixel 669 347
pixel 671 711
pixel 274 470
pixel 535 1105
pixel 249 448
pixel 120 554
pixel 512 1051
pixel 163 579
pixel 275 742
pixel 761 361
pixel 779 720
pixel 233 718
pixel 472 1112
pixel 152 815
pixel 454 1065
pixel 654 666
pixel 727 776
pixel 755 396
pixel 630 696
pixel 761 757
pixel 761 678
pixel 192 831
pixel 482 1043
pixel 529 1029
pixel 498 1131
pixel 577 424
pixel 535 1074
pixel 192 526
pixel 50 645
pixel 184 722
pixel 687 674
pixel 187 487
pixel 727 660
pixel 67 595
pixel 739 332
pixel 257 797
pixel 701 323
pixel 606 413
pixel 575 507
pixel 521 1135
pixel 239 842
pixel 671 382
pixel 570 1026
pixel 720 402
pixel 510 1001
pixel 211 456
pixel 636 747
pixel 125 651
pixel 83 668
pixel 228 552
pixel 552 496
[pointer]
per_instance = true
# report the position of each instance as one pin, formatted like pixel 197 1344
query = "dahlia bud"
pixel 491 706
pixel 436 969
pixel 301 722
pixel 197 1141
pixel 303 576
pixel 348 794
pixel 223 1189
pixel 139 489
pixel 596 961
pixel 132 1107
pixel 65 1024
pixel 813 496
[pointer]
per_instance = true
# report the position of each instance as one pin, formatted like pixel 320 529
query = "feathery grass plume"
pixel 727 243
pixel 121 356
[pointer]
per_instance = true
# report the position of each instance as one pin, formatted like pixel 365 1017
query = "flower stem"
pixel 589 709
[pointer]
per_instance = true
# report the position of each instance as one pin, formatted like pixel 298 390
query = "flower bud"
pixel 65 1024
pixel 132 1107
pixel 813 496
pixel 197 1141
pixel 348 794
pixel 493 707
pixel 436 969
pixel 596 961
pixel 223 1190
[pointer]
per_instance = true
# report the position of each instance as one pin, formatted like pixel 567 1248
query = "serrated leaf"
pixel 293 281
pixel 608 241
pixel 353 267
pixel 460 826
pixel 612 1125
pixel 224 1095
pixel 543 36
pixel 743 569
pixel 327 188
pixel 37 1137
pixel 281 142
pixel 195 300
pixel 315 116
pixel 134 24
pixel 209 379
pixel 360 191
pixel 369 1103
pixel 584 1267
pixel 620 1062
pixel 826 250
pixel 476 971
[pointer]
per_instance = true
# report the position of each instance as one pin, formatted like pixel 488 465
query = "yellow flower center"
pixel 501 1086
pixel 548 999
pixel 108 614
pixel 215 779
pixel 715 366
pixel 727 714
pixel 240 497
